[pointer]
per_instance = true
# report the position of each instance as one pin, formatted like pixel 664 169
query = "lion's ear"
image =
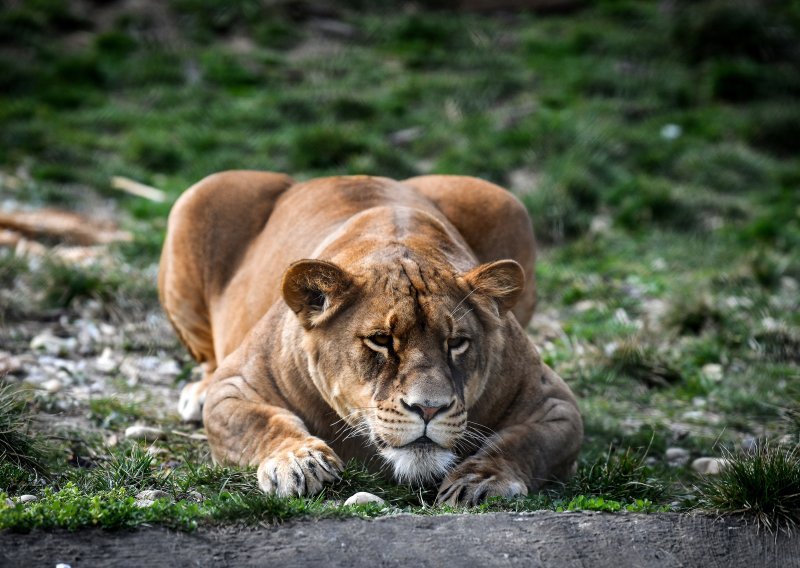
pixel 502 280
pixel 315 290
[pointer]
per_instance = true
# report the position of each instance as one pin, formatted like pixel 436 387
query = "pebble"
pixel 709 466
pixel 153 495
pixel 27 498
pixel 712 372
pixel 586 305
pixel 196 496
pixel 53 345
pixel 52 386
pixel 363 497
pixel 9 502
pixel 168 368
pixel 106 363
pixel 677 457
pixel 62 565
pixel 146 433
pixel 148 497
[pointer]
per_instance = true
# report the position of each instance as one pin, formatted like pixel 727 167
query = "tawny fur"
pixel 363 317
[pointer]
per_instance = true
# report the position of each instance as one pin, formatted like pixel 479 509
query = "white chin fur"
pixel 418 465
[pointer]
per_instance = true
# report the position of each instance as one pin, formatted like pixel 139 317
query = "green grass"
pixel 655 148
pixel 105 495
pixel 764 484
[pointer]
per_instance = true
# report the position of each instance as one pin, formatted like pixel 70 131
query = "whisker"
pixel 462 301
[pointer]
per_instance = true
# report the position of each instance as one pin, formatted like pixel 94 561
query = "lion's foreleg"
pixel 246 430
pixel 525 455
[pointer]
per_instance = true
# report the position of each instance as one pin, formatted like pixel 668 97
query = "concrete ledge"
pixel 503 539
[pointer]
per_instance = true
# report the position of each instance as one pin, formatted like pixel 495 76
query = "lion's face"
pixel 402 349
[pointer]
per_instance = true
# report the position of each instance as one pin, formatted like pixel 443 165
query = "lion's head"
pixel 401 344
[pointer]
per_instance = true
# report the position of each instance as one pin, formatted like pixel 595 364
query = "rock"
pixel 52 386
pixel 749 444
pixel 709 466
pixel 600 224
pixel 363 497
pixel 49 343
pixel 62 565
pixel 27 498
pixel 9 502
pixel 677 457
pixel 195 496
pixel 671 131
pixel 586 305
pixel 712 372
pixel 168 368
pixel 106 363
pixel 146 433
pixel 406 136
pixel 153 495
pixel 9 364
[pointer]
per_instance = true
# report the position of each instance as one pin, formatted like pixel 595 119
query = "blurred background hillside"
pixel 655 144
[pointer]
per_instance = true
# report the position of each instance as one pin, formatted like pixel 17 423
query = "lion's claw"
pixel 302 470
pixel 473 482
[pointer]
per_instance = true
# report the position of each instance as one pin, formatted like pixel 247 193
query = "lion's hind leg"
pixel 210 226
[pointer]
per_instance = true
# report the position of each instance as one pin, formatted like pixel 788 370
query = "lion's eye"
pixel 457 345
pixel 379 342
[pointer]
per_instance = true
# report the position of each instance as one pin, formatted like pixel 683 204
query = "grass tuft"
pixel 764 484
pixel 618 476
pixel 20 450
pixel 640 362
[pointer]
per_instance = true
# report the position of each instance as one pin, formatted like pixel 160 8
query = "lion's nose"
pixel 426 412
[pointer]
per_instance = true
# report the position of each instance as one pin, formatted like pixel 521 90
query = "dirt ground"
pixel 503 539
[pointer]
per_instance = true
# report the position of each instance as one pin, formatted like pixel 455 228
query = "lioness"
pixel 351 317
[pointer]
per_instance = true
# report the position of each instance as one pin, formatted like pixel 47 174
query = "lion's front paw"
pixel 190 405
pixel 478 479
pixel 302 468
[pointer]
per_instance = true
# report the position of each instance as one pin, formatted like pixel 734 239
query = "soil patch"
pixel 503 539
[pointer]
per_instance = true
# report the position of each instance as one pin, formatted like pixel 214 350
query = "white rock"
pixel 196 496
pixel 106 363
pixel 709 466
pixel 52 386
pixel 146 433
pixel 363 497
pixel 27 498
pixel 153 495
pixel 62 565
pixel 143 503
pixel 600 224
pixel 677 457
pixel 712 372
pixel 585 306
pixel 671 131
pixel 169 368
pixel 9 502
pixel 658 264
pixel 53 345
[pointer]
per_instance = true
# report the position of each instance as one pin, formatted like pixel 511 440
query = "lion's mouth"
pixel 420 442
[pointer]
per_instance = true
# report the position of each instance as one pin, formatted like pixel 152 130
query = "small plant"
pixel 20 450
pixel 764 484
pixel 130 469
pixel 617 476
pixel 640 362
